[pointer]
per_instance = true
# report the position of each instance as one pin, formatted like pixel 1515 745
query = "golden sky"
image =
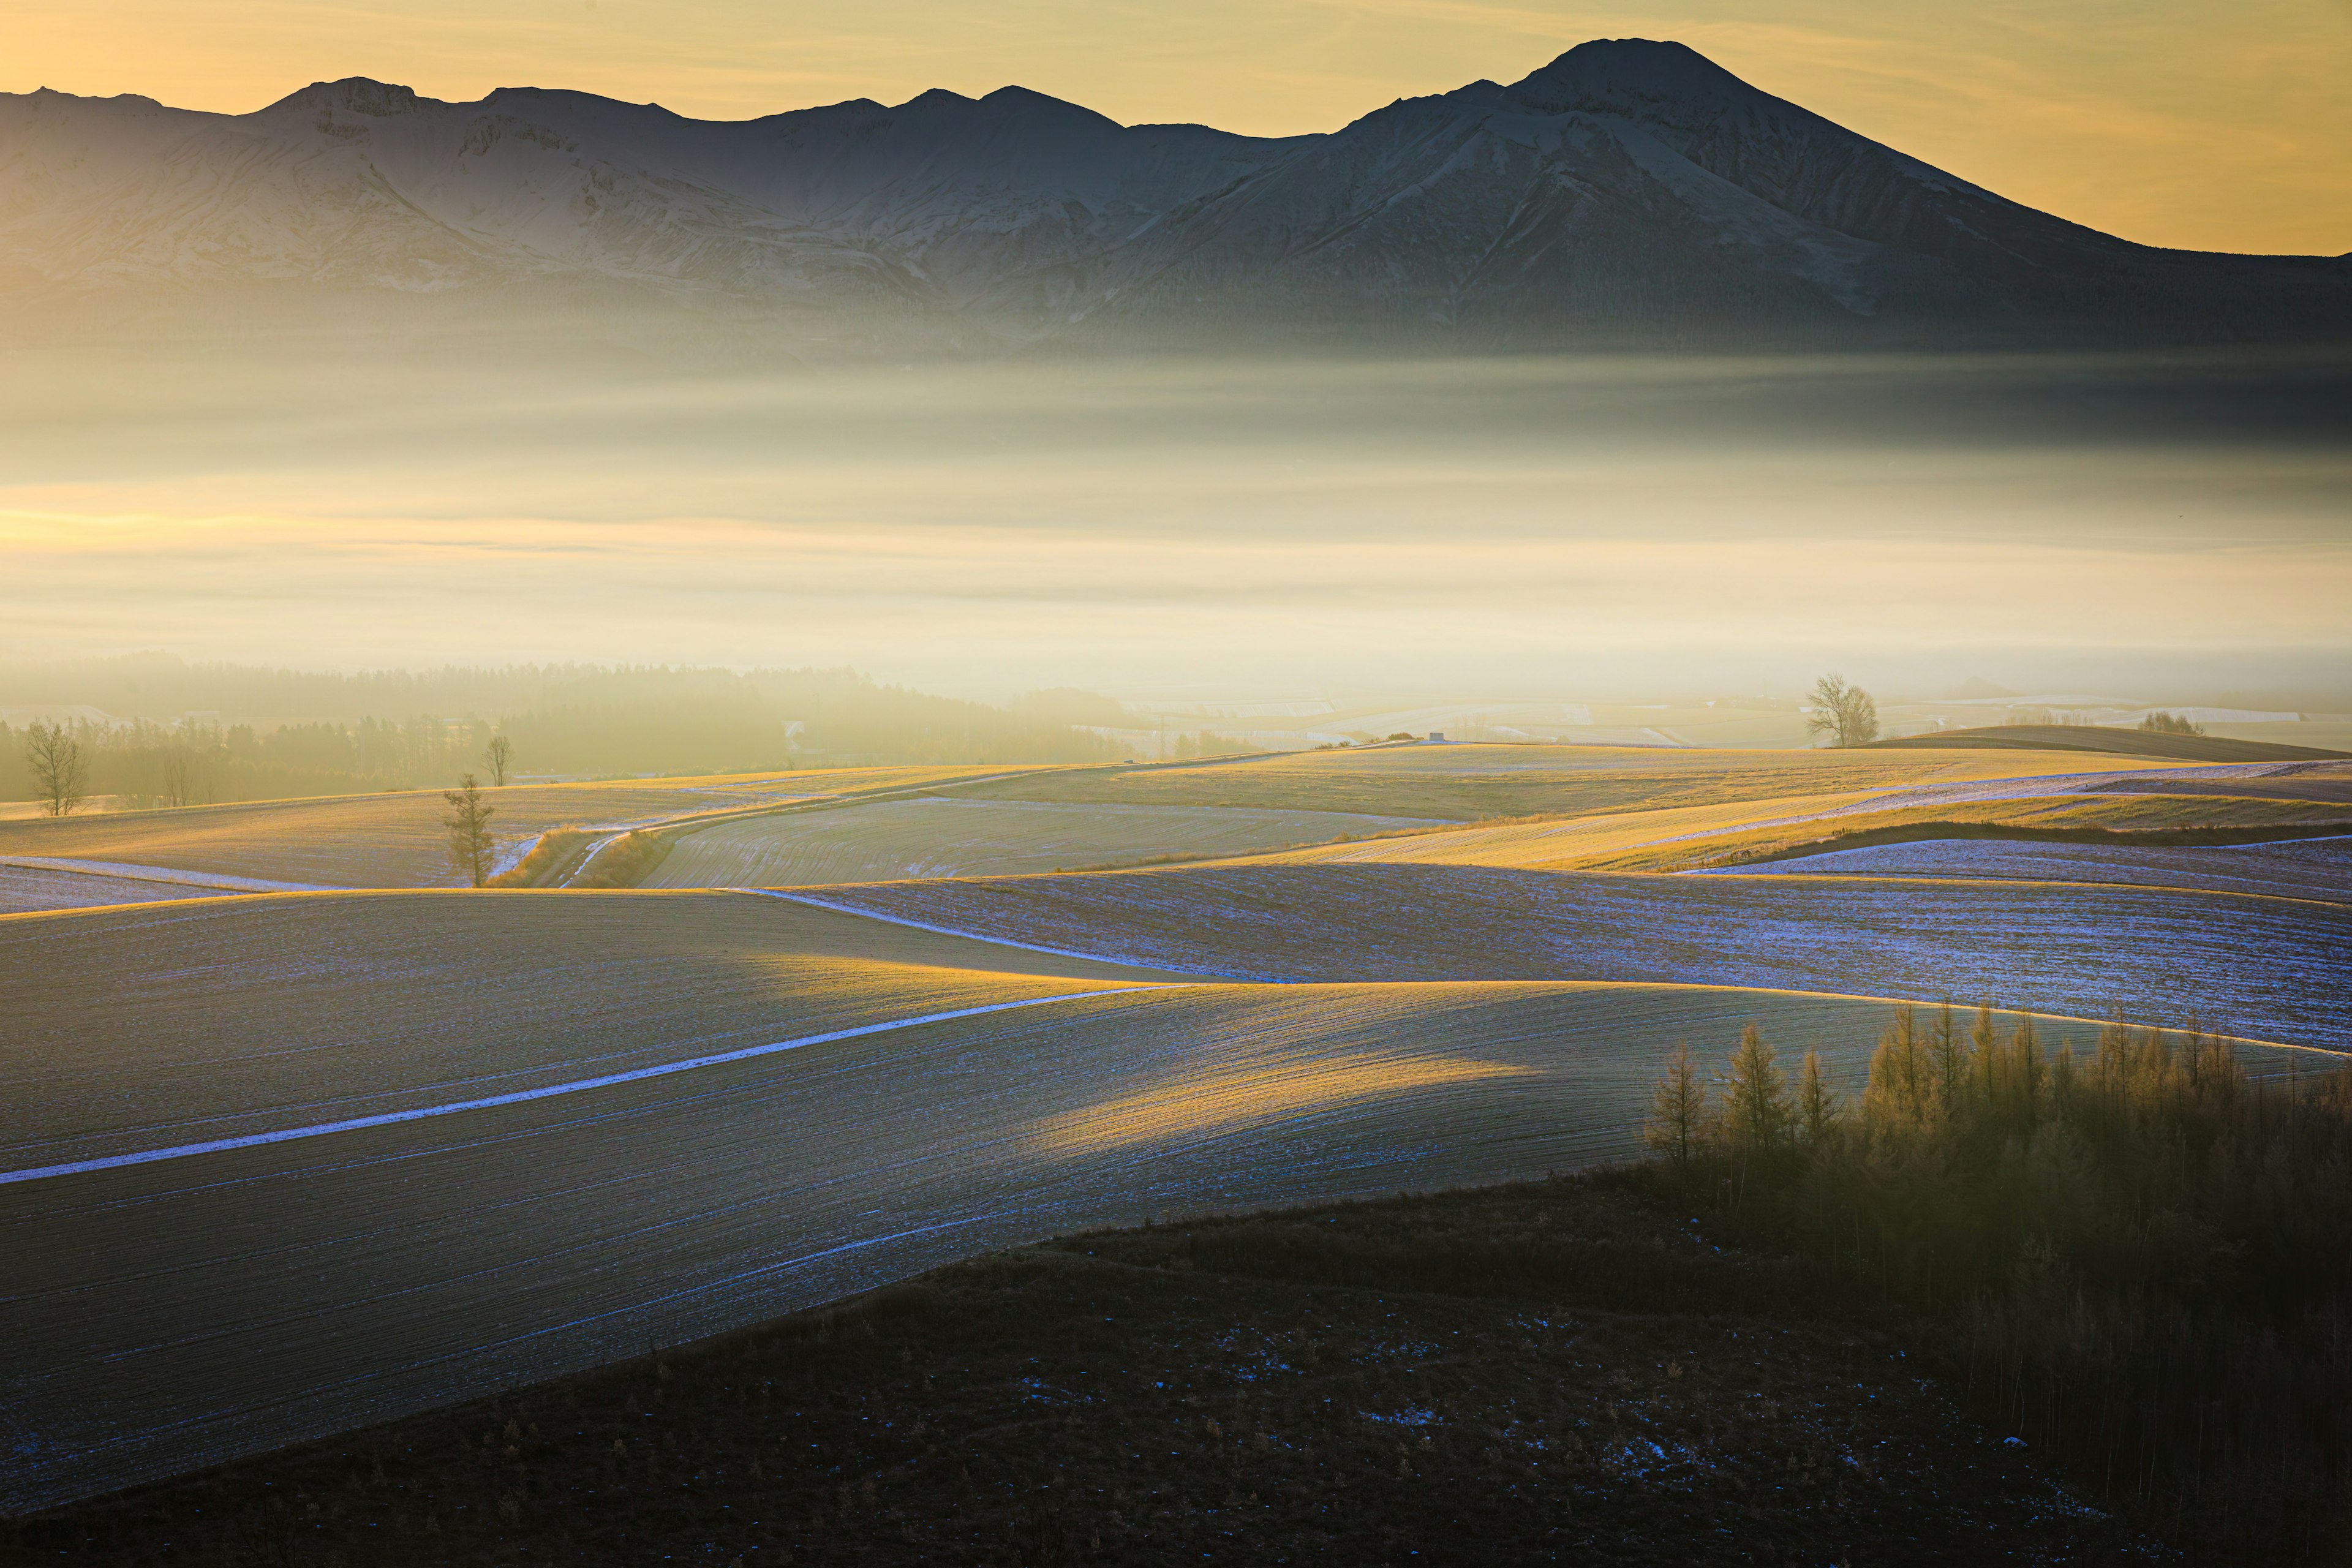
pixel 2219 124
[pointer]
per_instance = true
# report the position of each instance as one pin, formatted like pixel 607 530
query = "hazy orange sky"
pixel 2183 123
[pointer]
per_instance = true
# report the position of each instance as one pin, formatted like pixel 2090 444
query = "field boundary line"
pixel 548 1091
pixel 839 909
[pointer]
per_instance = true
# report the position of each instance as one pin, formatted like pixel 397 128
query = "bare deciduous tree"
pixel 59 766
pixel 499 755
pixel 1846 713
pixel 468 822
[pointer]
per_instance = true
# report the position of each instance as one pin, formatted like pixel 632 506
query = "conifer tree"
pixel 1818 1106
pixel 468 822
pixel 1945 1048
pixel 1677 1111
pixel 1756 1112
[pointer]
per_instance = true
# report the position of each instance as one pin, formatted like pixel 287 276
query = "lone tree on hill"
pixel 468 823
pixel 1844 713
pixel 499 754
pixel 59 766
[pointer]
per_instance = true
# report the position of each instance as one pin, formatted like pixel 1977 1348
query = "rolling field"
pixel 1468 781
pixel 396 840
pixel 286 1281
pixel 2296 868
pixel 1692 838
pixel 2264 968
pixel 942 836
pixel 274 1165
pixel 2102 738
pixel 31 888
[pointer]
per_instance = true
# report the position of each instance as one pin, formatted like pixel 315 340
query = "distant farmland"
pixel 1468 781
pixel 395 840
pixel 945 836
pixel 2298 868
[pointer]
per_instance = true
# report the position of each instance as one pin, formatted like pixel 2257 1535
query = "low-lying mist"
pixel 1529 525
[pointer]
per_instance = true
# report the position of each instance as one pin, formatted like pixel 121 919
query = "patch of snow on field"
pixel 163 874
pixel 2256 968
pixel 2300 868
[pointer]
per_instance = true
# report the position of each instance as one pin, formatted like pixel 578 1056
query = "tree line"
pixel 589 723
pixel 2139 1256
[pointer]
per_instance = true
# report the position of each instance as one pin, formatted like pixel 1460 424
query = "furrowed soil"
pixel 2265 969
pixel 1552 1371
pixel 1468 781
pixel 950 836
pixel 2318 868
pixel 398 1168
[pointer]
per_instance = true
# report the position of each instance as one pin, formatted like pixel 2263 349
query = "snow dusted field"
pixel 186 1309
pixel 26 889
pixel 2256 967
pixel 2296 868
pixel 941 836
pixel 275 1166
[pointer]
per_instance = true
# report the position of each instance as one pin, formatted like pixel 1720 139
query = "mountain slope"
pixel 1628 191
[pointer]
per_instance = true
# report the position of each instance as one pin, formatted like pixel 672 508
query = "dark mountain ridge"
pixel 1629 193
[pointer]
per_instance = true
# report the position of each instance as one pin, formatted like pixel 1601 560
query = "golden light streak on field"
pixel 1688 837
pixel 1228 1099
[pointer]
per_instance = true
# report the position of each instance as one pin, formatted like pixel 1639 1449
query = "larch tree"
pixel 1819 1109
pixel 1757 1116
pixel 468 822
pixel 1677 1111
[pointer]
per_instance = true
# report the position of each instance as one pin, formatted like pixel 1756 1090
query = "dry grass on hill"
pixel 2104 813
pixel 1734 833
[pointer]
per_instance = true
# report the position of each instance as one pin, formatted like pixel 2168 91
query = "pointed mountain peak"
pixel 1617 73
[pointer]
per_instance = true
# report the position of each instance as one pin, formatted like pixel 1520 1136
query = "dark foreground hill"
pixel 1544 1373
pixel 1628 193
pixel 2113 741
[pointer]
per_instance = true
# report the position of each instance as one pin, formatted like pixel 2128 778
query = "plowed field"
pixel 1466 781
pixel 944 837
pixel 2297 868
pixel 2264 968
pixel 192 1307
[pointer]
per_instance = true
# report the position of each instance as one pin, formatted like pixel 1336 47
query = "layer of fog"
pixel 1538 526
